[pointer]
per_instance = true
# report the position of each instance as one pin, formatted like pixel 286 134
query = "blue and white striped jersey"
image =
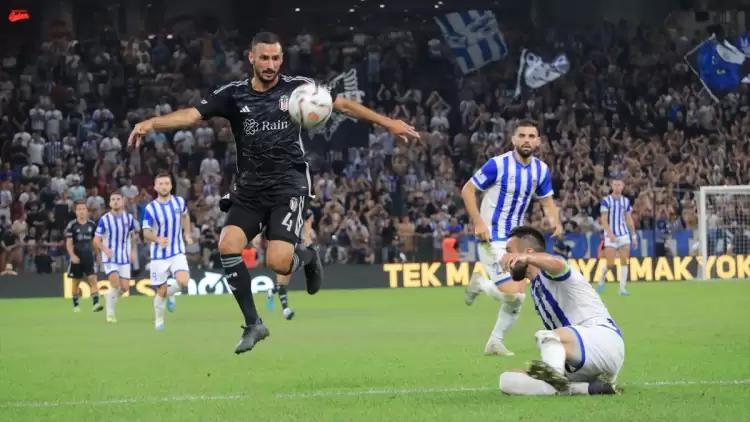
pixel 509 186
pixel 116 232
pixel 165 219
pixel 568 299
pixel 616 209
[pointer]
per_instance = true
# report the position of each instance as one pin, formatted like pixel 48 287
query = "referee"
pixel 79 241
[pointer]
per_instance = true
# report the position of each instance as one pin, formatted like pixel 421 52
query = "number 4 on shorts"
pixel 287 222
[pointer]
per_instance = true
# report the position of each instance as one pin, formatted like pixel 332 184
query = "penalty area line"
pixel 353 393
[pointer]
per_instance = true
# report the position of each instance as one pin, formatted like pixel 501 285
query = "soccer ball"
pixel 310 105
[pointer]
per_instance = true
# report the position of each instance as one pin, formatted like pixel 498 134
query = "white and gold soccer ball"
pixel 310 105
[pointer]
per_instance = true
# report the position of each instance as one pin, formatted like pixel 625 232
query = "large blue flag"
pixel 473 37
pixel 720 65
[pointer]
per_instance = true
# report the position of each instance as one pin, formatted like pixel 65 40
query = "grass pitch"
pixel 369 355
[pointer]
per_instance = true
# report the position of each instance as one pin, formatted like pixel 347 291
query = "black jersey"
pixel 269 145
pixel 83 237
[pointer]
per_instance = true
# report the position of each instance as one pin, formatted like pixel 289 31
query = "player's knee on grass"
pixel 569 340
pixel 279 257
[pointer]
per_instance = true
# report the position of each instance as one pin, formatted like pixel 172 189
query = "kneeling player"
pixel 115 238
pixel 79 244
pixel 283 280
pixel 582 348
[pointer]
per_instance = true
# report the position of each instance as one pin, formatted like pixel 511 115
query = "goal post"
pixel 723 225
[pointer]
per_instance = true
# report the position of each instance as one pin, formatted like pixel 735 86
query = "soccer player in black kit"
pixel 79 242
pixel 274 182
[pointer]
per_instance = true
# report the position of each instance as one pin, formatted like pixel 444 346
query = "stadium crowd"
pixel 629 107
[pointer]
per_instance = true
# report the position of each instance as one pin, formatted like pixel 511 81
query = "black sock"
pixel 75 300
pixel 283 298
pixel 302 257
pixel 239 279
pixel 95 298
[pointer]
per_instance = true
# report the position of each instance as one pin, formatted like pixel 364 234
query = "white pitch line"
pixel 372 392
pixel 399 392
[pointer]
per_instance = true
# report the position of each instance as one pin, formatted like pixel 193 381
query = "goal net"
pixel 723 232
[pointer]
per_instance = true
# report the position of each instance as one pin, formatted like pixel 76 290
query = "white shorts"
pixel 602 352
pixel 490 256
pixel 162 269
pixel 122 269
pixel 619 242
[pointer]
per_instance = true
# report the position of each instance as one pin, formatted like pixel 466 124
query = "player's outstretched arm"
pixel 360 112
pixel 179 119
pixel 217 104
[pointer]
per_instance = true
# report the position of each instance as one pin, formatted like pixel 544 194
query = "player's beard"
pixel 164 196
pixel 524 153
pixel 265 78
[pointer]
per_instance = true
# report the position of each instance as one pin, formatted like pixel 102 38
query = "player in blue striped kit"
pixel 166 224
pixel 582 349
pixel 509 181
pixel 115 238
pixel 619 232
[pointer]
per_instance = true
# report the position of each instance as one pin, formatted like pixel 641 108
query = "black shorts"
pixel 277 213
pixel 85 268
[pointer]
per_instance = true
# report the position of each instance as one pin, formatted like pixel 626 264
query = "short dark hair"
pixel 163 174
pixel 528 123
pixel 80 202
pixel 115 192
pixel 532 236
pixel 265 38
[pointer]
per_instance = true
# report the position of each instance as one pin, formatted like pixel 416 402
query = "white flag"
pixel 534 72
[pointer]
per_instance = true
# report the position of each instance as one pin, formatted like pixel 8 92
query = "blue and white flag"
pixel 721 66
pixel 473 37
pixel 534 72
pixel 743 44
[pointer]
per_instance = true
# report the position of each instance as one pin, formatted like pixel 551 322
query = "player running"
pixel 273 184
pixel 282 280
pixel 79 243
pixel 508 181
pixel 619 232
pixel 115 238
pixel 582 348
pixel 166 224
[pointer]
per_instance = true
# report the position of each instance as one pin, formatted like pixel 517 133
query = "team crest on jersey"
pixel 293 204
pixel 284 103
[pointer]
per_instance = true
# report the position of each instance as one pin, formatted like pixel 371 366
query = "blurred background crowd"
pixel 629 107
